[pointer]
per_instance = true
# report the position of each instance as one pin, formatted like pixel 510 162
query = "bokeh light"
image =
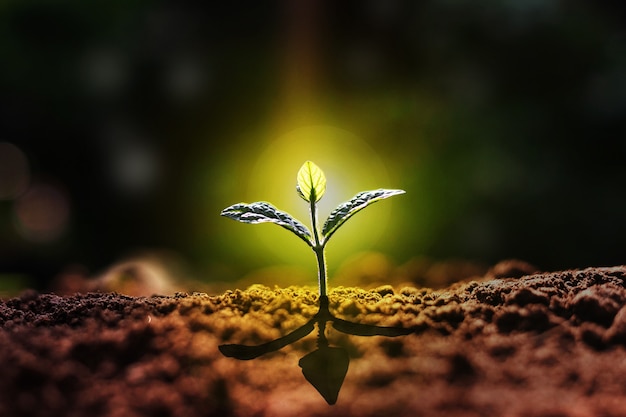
pixel 14 171
pixel 134 164
pixel 42 214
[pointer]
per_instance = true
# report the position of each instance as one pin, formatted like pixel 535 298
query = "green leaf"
pixel 311 182
pixel 346 210
pixel 262 212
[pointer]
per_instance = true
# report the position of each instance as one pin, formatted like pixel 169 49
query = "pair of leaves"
pixel 262 212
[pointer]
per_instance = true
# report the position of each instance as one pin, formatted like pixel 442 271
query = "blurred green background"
pixel 126 126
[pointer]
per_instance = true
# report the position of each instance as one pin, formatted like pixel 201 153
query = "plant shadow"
pixel 325 368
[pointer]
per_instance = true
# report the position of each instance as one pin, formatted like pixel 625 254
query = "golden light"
pixel 350 166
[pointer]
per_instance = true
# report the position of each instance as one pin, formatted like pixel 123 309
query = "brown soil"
pixel 549 344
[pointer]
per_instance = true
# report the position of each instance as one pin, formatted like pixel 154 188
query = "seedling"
pixel 311 186
pixel 326 367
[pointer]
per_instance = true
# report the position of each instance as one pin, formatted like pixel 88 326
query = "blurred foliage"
pixel 503 120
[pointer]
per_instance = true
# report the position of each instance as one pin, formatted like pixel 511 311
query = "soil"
pixel 508 343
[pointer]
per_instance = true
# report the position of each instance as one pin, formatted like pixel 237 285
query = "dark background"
pixel 503 120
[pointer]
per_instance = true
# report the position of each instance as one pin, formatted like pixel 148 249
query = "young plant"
pixel 311 186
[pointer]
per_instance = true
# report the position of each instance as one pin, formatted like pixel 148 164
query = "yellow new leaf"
pixel 311 182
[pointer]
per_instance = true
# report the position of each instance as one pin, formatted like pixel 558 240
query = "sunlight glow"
pixel 350 166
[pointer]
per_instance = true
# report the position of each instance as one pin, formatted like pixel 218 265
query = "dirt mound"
pixel 542 345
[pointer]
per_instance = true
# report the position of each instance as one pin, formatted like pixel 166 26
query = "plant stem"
pixel 321 270
pixel 318 248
